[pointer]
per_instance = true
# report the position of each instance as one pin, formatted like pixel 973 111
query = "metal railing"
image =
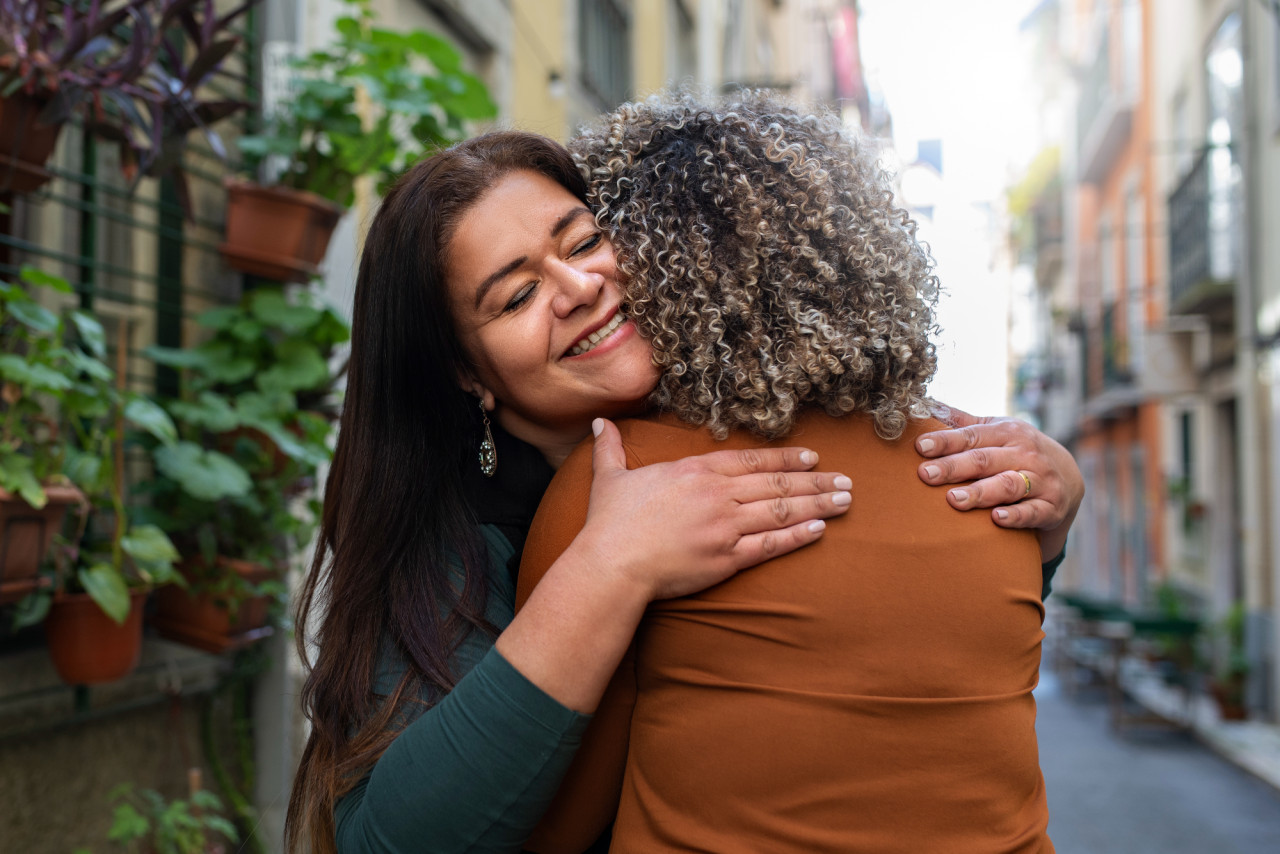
pixel 1204 224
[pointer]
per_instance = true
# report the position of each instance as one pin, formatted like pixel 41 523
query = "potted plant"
pixel 1230 675
pixel 133 70
pixel 146 821
pixel 369 104
pixel 254 419
pixel 37 370
pixel 93 614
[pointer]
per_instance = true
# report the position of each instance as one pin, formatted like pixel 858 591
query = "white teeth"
pixel 599 335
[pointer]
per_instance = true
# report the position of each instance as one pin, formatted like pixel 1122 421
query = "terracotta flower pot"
pixel 1229 696
pixel 25 144
pixel 277 232
pixel 87 647
pixel 201 620
pixel 25 536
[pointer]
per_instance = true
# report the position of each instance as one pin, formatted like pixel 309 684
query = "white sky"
pixel 954 70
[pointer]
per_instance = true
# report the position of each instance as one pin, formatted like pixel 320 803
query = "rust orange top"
pixel 869 693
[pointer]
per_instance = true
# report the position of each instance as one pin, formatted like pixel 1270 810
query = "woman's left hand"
pixel 1028 479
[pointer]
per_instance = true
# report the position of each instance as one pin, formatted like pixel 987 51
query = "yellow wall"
pixel 538 51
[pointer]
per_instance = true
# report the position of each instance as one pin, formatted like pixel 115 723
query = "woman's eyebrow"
pixel 563 222
pixel 496 276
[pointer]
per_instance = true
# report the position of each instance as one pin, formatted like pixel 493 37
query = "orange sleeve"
pixel 588 798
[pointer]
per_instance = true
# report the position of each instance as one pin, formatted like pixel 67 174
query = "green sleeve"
pixel 1048 570
pixel 474 773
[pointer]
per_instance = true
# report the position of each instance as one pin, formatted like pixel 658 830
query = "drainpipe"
pixel 1252 453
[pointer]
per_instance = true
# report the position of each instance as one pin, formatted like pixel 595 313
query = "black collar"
pixel 509 499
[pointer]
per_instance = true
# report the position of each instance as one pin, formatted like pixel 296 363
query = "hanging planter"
pixel 277 232
pixel 25 144
pixel 25 536
pixel 86 646
pixel 221 609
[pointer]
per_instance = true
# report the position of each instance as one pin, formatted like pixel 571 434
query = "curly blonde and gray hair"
pixel 765 260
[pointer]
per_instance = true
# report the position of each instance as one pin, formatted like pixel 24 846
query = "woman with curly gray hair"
pixel 767 264
pixel 872 692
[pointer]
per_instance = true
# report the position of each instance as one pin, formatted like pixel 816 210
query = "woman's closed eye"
pixel 587 245
pixel 522 296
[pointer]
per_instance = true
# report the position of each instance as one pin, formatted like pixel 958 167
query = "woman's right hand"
pixel 677 528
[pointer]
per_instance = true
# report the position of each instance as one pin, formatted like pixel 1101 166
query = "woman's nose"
pixel 574 287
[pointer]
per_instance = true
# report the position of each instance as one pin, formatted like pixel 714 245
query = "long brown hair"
pixel 394 512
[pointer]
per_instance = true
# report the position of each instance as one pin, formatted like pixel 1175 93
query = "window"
pixel 604 43
pixel 683 42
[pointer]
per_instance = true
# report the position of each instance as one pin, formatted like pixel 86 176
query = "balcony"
pixel 1047 219
pixel 1204 229
pixel 1104 117
pixel 1118 394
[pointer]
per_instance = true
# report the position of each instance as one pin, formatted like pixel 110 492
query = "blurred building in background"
pixel 1159 301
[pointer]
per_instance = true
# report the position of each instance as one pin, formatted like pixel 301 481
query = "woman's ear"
pixel 474 387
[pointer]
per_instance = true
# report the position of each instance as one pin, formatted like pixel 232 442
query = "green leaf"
pixel 221 825
pixel 206 800
pixel 246 329
pixel 127 824
pixel 176 358
pixel 291 447
pixel 32 375
pixel 18 476
pixel 32 609
pixel 443 55
pixel 91 332
pixel 298 365
pixel 209 411
pixel 145 413
pixel 106 587
pixel 33 315
pixel 149 545
pixel 86 364
pixel 83 468
pixel 219 318
pixel 224 364
pixel 271 307
pixel 203 474
pixel 36 276
pixel 265 406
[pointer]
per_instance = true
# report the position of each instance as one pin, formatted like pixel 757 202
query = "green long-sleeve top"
pixel 475 771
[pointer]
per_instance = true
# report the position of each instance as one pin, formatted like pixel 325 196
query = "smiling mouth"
pixel 589 343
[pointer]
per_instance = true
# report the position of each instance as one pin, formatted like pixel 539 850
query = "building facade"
pixel 1160 336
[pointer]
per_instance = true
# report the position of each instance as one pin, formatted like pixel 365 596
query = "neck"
pixel 554 443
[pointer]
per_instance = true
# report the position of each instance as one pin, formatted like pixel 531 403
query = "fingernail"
pixel 597 426
pixel 932 472
pixel 1002 515
pixel 808 457
pixel 843 482
pixel 960 495
pixel 926 445
pixel 842 499
pixel 816 526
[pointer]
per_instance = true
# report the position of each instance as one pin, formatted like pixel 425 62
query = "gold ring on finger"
pixel 1027 481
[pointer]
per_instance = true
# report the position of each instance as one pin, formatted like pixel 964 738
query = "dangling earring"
pixel 488 452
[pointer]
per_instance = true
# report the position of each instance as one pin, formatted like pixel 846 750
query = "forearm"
pixel 571 633
pixel 474 773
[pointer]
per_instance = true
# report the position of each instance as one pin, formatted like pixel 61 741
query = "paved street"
pixel 1148 791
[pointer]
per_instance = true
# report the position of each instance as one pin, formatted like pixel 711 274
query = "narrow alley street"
pixel 1149 790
